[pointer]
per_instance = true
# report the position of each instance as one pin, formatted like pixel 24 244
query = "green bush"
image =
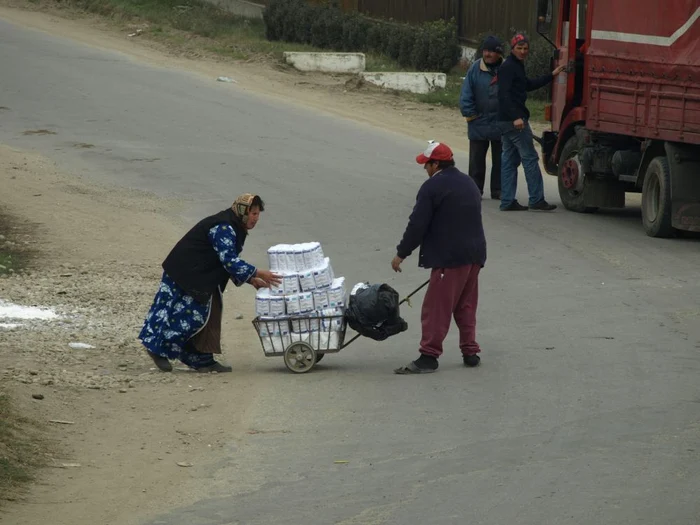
pixel 538 63
pixel 431 46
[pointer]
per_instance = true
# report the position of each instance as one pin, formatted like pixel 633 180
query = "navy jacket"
pixel 513 86
pixel 446 223
pixel 479 100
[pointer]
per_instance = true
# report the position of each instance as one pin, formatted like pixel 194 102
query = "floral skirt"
pixel 174 318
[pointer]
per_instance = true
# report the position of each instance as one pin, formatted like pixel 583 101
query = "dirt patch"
pixel 123 426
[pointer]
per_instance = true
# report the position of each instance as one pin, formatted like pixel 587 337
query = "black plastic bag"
pixel 373 312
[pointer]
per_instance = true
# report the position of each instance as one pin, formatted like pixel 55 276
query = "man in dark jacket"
pixel 446 224
pixel 479 105
pixel 518 143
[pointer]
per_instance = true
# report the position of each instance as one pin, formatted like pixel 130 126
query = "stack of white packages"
pixel 309 292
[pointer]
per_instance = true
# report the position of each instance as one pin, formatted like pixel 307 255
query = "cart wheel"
pixel 300 357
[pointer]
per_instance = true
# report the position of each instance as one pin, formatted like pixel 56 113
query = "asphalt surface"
pixel 586 408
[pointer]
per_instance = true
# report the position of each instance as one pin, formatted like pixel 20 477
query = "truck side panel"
pixel 644 69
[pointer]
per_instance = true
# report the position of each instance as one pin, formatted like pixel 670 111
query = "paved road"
pixel 587 408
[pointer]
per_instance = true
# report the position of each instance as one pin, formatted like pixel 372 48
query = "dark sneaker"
pixel 543 205
pixel 515 206
pixel 472 361
pixel 496 195
pixel 216 367
pixel 161 362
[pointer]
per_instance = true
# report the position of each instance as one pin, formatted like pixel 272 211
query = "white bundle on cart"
pixel 307 306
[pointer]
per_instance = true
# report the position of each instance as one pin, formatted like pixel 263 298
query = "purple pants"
pixel 452 292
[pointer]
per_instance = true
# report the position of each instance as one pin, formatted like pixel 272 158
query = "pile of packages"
pixel 307 306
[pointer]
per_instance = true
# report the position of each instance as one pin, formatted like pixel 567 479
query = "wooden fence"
pixel 474 17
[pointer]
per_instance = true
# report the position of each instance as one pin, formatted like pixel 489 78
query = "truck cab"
pixel 625 118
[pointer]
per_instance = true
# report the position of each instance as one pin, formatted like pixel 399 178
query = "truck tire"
pixel 656 199
pixel 571 199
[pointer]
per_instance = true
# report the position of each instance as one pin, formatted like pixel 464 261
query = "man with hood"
pixel 479 105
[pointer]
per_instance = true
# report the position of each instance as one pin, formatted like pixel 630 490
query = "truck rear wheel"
pixel 572 183
pixel 656 199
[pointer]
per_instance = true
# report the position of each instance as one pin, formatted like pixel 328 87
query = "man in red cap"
pixel 446 224
pixel 517 139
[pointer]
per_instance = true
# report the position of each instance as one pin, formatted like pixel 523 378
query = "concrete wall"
pixel 326 62
pixel 413 82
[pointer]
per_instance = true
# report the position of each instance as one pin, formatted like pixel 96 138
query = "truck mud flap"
pixel 684 164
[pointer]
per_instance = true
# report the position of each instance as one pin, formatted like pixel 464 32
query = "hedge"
pixel 431 46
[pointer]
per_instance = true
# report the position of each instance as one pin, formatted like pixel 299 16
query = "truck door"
pixel 567 90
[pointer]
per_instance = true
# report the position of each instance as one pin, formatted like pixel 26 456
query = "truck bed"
pixel 654 91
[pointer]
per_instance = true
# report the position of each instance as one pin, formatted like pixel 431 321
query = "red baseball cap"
pixel 436 151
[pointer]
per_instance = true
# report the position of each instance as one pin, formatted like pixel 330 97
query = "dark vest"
pixel 194 264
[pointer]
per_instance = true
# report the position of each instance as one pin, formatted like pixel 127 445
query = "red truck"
pixel 626 116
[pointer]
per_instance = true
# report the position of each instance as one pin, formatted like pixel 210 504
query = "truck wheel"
pixel 572 183
pixel 656 199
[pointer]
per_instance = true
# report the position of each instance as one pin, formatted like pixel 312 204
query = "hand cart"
pixel 303 340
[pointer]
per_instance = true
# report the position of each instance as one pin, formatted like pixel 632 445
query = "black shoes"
pixel 161 362
pixel 216 367
pixel 496 195
pixel 472 361
pixel 515 206
pixel 543 205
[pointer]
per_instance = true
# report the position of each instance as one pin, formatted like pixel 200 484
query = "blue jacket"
pixel 479 99
pixel 446 223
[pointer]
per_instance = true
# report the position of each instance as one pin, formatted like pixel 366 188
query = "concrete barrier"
pixel 413 82
pixel 326 62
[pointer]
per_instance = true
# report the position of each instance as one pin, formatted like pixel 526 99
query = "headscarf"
pixel 241 206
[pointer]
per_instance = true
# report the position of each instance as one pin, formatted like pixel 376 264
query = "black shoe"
pixel 496 195
pixel 161 362
pixel 472 361
pixel 216 367
pixel 543 205
pixel 515 206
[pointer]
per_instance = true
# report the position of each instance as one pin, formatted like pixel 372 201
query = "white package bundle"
pixel 277 306
pixel 262 302
pixel 280 255
pixel 299 263
pixel 302 337
pixel 273 259
pixel 271 326
pixel 290 258
pixel 332 320
pixel 322 275
pixel 277 344
pixel 317 251
pixel 309 255
pixel 321 299
pixel 301 326
pixel 290 283
pixel 336 293
pixel 328 341
pixel 292 304
pixel 306 279
pixel 306 302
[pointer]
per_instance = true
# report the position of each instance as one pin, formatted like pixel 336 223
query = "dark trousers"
pixel 452 293
pixel 477 163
